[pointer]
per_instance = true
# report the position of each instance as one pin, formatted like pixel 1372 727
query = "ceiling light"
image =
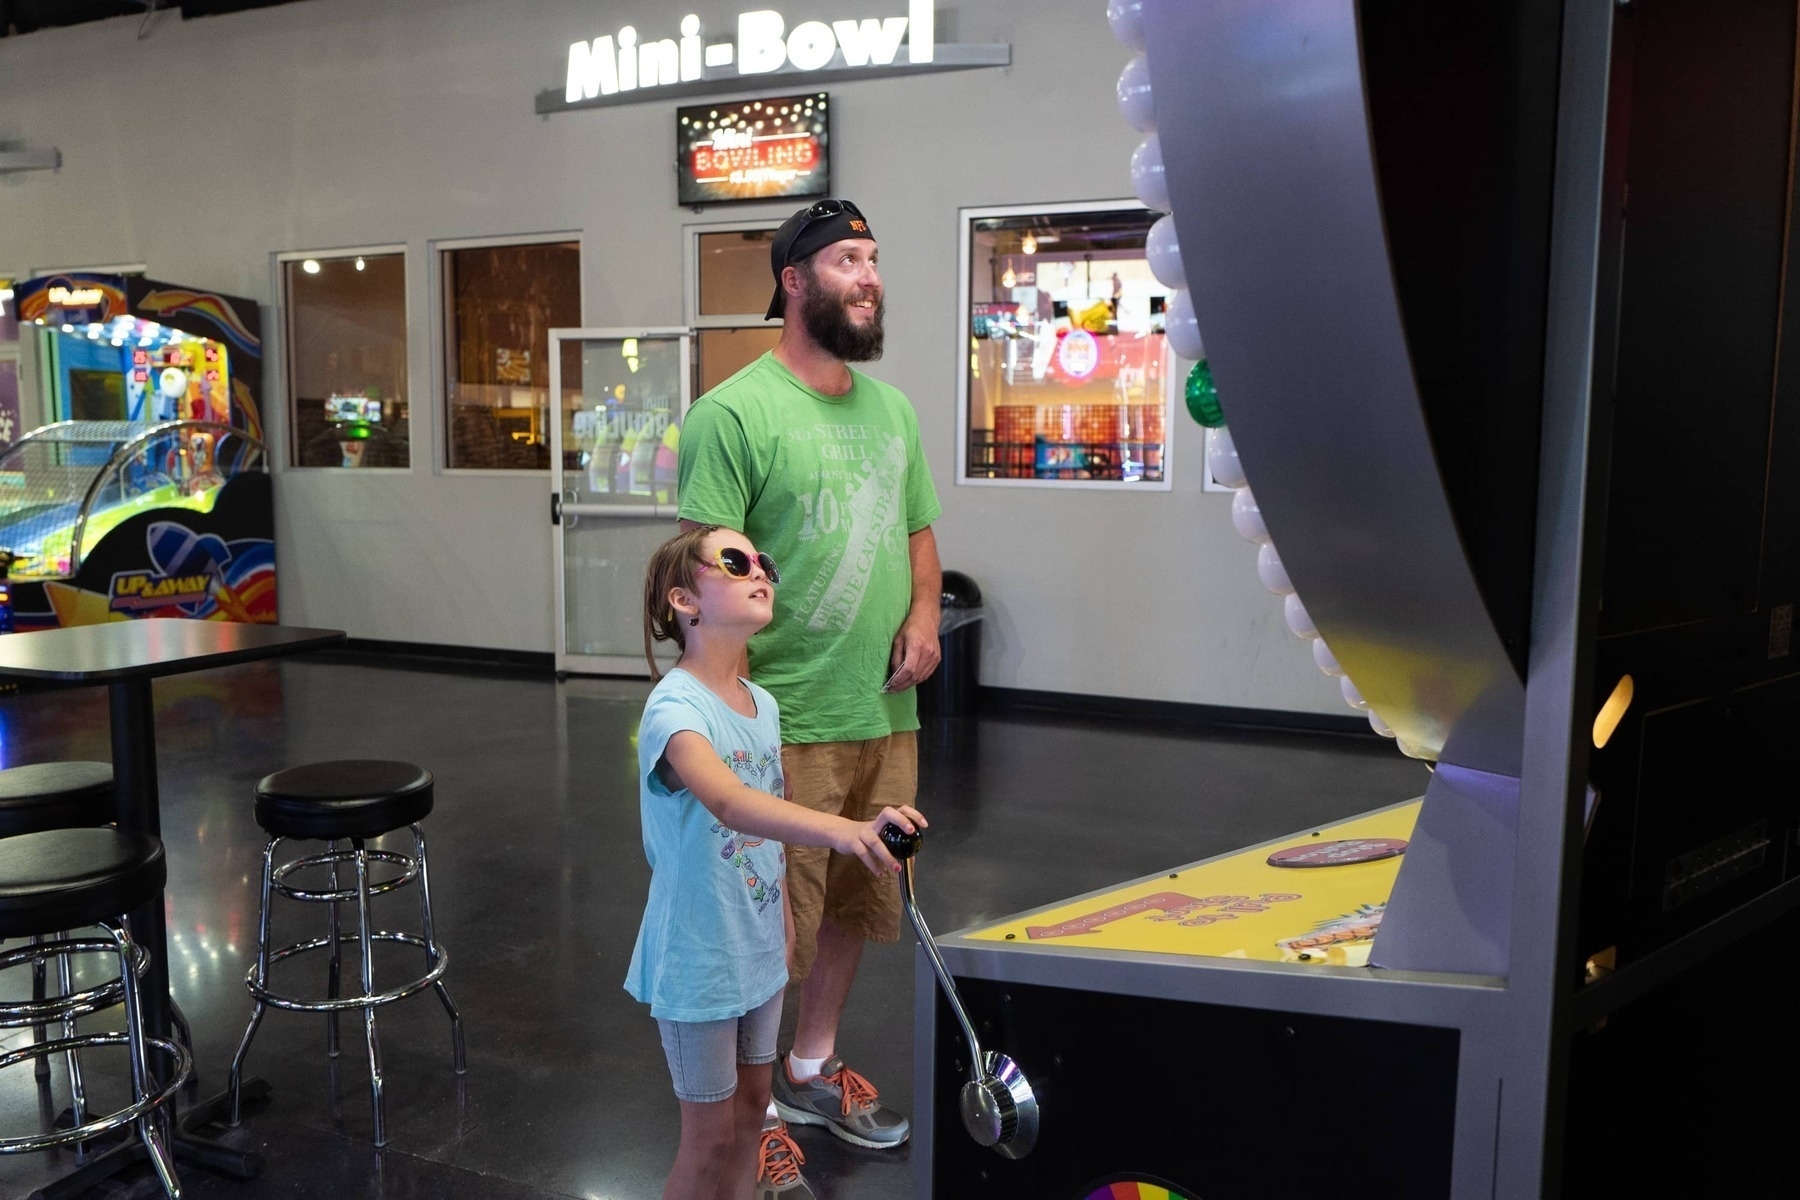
pixel 310 266
pixel 359 262
pixel 1029 245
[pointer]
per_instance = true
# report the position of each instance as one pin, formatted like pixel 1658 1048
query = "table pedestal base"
pixel 191 1149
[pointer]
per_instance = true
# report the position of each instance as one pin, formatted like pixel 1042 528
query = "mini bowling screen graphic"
pixel 753 149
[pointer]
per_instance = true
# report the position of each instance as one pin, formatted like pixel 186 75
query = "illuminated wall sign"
pixel 753 149
pixel 76 297
pixel 630 65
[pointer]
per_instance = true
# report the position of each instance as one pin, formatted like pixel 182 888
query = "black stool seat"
pixel 60 879
pixel 348 798
pixel 55 795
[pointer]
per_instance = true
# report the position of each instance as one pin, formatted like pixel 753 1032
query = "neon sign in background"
pixel 754 149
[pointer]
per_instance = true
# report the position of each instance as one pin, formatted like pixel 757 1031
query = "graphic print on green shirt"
pixel 831 487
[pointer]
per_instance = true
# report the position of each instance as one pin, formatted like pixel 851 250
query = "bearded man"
pixel 821 467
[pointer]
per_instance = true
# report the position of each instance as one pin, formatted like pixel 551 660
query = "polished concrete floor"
pixel 539 878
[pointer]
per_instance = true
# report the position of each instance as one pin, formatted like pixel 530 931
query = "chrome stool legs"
pixel 146 1112
pixel 256 981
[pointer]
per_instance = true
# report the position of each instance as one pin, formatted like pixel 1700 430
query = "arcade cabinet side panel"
pixel 1693 847
pixel 1702 562
pixel 1207 1100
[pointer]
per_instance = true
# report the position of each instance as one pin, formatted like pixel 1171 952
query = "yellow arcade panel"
pixel 1324 906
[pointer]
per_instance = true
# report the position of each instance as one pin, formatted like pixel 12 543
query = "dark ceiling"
pixel 28 16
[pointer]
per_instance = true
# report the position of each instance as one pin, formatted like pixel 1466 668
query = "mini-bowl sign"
pixel 632 64
pixel 754 149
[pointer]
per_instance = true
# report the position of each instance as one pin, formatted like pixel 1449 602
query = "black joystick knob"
pixel 901 844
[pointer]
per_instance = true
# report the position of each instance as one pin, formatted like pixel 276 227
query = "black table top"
pixel 149 647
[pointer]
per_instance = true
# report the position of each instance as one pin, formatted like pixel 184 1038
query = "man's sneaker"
pixel 842 1101
pixel 778 1166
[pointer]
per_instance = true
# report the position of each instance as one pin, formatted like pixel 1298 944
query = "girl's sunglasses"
pixel 736 563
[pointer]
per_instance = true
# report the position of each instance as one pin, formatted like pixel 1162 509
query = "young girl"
pixel 711 956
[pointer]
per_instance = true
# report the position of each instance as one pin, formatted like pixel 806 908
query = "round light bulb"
pixel 1182 328
pixel 1222 458
pixel 1149 179
pixel 1134 95
pixel 1246 517
pixel 1126 17
pixel 1162 248
pixel 1299 621
pixel 1269 569
pixel 1325 659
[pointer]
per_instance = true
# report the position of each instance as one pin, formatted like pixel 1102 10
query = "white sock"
pixel 802 1069
pixel 769 1114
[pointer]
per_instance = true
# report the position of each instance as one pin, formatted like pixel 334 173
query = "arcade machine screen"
pixel 353 422
pixel 96 395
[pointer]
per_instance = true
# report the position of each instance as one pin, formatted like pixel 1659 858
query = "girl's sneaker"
pixel 778 1166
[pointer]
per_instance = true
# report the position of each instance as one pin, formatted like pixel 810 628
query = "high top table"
pixel 126 656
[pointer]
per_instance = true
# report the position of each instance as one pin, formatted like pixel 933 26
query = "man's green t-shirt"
pixel 831 487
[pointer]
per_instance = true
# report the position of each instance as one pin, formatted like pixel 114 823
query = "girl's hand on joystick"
pixel 866 840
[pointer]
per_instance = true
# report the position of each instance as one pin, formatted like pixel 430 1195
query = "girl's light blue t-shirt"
pixel 712 943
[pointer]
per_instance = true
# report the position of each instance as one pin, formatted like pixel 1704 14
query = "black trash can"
pixel 951 690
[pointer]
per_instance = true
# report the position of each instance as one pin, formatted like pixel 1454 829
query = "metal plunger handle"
pixel 903 846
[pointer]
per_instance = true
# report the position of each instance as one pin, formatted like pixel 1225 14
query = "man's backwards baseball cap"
pixel 806 233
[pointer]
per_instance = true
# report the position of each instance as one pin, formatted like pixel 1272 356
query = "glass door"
pixel 620 395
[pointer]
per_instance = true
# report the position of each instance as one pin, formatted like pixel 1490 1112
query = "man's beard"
pixel 826 319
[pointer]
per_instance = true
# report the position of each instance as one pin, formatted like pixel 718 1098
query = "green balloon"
pixel 1203 397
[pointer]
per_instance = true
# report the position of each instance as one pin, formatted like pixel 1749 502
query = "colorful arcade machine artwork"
pixel 148 495
pixel 1135 1187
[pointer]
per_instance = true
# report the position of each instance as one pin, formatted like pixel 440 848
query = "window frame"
pixel 965 225
pixel 281 459
pixel 12 352
pixel 439 336
pixel 690 287
pixel 690 274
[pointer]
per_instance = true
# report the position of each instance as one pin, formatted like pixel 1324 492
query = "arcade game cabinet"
pixel 1496 301
pixel 148 494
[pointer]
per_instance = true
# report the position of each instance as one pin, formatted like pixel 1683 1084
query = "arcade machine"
pixel 148 493
pixel 354 434
pixel 1538 485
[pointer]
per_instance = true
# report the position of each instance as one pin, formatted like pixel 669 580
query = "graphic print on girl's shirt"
pixel 753 770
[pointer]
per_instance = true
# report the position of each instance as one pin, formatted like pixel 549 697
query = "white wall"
pixel 212 145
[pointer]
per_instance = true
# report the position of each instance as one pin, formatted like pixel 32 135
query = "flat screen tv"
pixel 766 149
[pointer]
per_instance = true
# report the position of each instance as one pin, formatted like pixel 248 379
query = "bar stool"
pixel 61 879
pixel 54 795
pixel 63 795
pixel 347 800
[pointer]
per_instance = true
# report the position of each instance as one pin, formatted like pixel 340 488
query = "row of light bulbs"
pixel 1162 248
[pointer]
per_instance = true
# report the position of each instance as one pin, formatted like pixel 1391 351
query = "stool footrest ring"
pixel 17 1013
pixel 409 871
pixel 184 1067
pixel 262 994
